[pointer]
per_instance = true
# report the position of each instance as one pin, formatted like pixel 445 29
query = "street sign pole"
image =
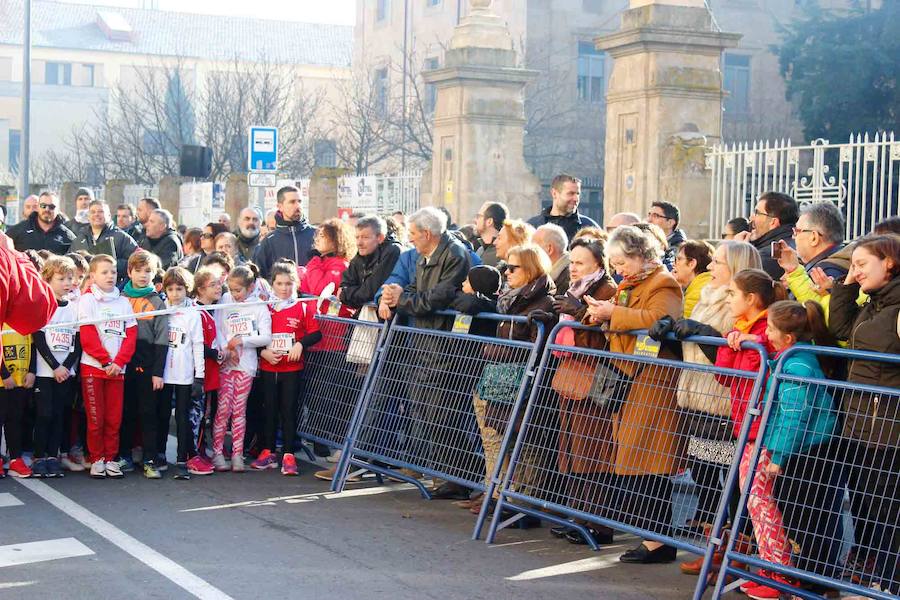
pixel 262 161
pixel 24 154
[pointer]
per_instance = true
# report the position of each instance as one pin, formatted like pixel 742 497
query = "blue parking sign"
pixel 263 149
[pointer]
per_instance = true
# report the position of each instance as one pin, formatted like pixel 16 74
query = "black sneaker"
pixel 54 468
pixel 39 468
pixel 181 472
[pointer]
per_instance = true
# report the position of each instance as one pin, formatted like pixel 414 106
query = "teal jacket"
pixel 803 415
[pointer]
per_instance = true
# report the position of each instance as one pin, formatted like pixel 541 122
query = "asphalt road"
pixel 261 535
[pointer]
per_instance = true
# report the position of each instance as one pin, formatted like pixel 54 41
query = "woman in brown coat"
pixel 585 433
pixel 646 424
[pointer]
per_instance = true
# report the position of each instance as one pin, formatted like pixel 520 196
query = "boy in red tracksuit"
pixel 294 329
pixel 107 348
pixel 207 291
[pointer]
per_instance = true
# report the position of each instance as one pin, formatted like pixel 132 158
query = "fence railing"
pixel 861 177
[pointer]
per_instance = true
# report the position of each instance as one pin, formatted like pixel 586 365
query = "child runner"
pixel 18 373
pixel 294 329
pixel 207 291
pixel 74 420
pixel 241 330
pixel 59 350
pixel 107 348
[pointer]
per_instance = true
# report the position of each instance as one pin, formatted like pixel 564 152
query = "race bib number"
pixel 61 340
pixel 177 337
pixel 239 325
pixel 113 327
pixel 281 343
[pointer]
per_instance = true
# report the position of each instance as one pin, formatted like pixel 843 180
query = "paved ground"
pixel 261 535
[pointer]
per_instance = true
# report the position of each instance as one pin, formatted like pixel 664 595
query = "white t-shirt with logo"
pixel 119 317
pixel 60 341
pixel 252 323
pixel 184 360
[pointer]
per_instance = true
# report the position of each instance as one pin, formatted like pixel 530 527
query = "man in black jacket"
pixel 374 260
pixel 44 229
pixel 772 220
pixel 161 238
pixel 666 216
pixel 247 233
pixel 565 192
pixel 126 221
pixel 101 236
pixel 83 199
pixel 292 237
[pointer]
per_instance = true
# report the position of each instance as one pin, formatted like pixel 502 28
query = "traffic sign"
pixel 262 152
pixel 263 180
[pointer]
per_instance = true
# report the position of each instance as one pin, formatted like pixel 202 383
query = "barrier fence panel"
pixel 635 443
pixel 831 439
pixel 439 404
pixel 335 373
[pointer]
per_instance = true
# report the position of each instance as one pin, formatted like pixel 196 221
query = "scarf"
pixel 578 289
pixel 284 304
pixel 132 292
pixel 102 296
pixel 623 290
pixel 744 325
pixel 504 304
pixel 184 303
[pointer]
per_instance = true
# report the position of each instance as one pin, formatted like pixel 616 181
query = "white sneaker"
pixel 335 456
pixel 114 470
pixel 70 465
pixel 237 464
pixel 219 463
pixel 98 469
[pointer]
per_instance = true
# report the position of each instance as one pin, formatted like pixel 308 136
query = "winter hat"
pixel 485 280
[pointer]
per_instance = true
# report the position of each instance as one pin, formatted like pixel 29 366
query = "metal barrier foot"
pixel 381 472
pixel 311 457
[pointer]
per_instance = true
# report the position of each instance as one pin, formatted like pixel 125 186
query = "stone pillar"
pixel 237 195
pixel 664 104
pixel 114 193
pixel 170 193
pixel 67 197
pixel 323 193
pixel 479 122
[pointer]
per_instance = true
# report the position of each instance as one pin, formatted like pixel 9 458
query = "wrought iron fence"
pixel 861 177
pixel 398 192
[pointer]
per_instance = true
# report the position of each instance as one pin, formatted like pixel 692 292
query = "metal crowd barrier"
pixel 851 449
pixel 335 373
pixel 425 404
pixel 594 449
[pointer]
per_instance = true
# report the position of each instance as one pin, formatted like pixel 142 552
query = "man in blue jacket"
pixel 292 237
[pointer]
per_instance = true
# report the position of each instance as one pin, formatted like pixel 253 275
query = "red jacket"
pixel 741 387
pixel 318 273
pixel 91 344
pixel 298 321
pixel 211 365
pixel 26 301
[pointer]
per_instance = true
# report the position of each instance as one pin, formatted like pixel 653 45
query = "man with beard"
pixel 145 206
pixel 247 233
pixel 292 237
pixel 44 229
pixel 376 254
pixel 773 220
pixel 102 237
pixel 488 222
pixel 565 191
pixel 161 239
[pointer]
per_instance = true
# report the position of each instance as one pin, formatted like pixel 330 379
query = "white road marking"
pixel 32 552
pixel 142 552
pixel 7 499
pixel 301 498
pixel 16 584
pixel 596 563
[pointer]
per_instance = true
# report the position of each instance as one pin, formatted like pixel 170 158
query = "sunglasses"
pixel 207 236
pixel 513 268
pixel 45 206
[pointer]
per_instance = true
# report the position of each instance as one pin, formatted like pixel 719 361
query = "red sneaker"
pixel 266 460
pixel 18 468
pixel 289 465
pixel 198 466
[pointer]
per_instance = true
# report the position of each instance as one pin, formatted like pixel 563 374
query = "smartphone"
pixel 776 249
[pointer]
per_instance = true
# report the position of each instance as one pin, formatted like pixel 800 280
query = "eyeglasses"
pixel 207 236
pixel 513 268
pixel 762 214
pixel 797 231
pixel 657 215
pixel 45 206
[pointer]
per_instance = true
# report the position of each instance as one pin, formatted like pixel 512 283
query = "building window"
pixel 430 89
pixel 58 73
pixel 591 65
pixel 737 84
pixel 325 153
pixel 88 75
pixel 381 90
pixel 382 9
pixel 15 147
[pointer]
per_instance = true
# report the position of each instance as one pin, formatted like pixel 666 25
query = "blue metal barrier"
pixel 831 437
pixel 581 399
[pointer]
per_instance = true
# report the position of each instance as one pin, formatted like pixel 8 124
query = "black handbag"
pixel 610 387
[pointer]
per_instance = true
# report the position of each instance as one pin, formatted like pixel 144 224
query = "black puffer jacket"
pixel 168 248
pixel 366 274
pixel 122 244
pixel 435 285
pixel 28 235
pixel 291 239
pixel 570 223
pixel 871 418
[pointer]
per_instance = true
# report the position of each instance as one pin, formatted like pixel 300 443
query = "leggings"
pixel 280 397
pixel 12 417
pixel 103 405
pixel 51 399
pixel 184 432
pixel 233 393
pixel 768 525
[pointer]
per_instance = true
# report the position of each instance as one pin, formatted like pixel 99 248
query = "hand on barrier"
pixel 661 328
pixel 197 388
pixel 685 328
pixel 568 305
pixel 384 312
pixel 736 337
pixel 60 374
pixel 541 316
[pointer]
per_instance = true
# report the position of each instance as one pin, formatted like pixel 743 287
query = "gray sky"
pixel 312 11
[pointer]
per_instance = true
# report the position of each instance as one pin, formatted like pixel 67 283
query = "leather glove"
pixel 197 388
pixel 541 316
pixel 688 327
pixel 661 328
pixel 567 305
